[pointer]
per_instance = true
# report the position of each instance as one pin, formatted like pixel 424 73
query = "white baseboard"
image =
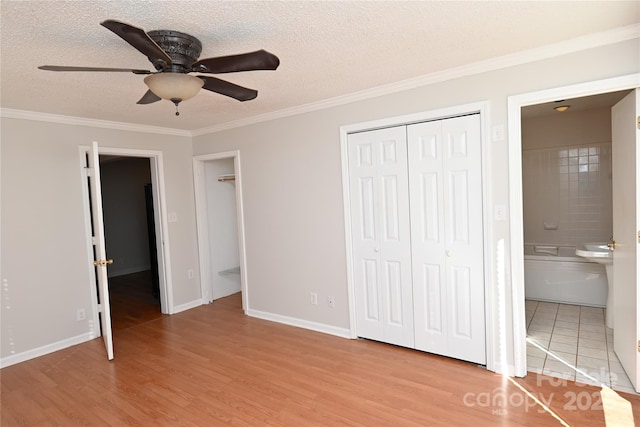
pixel 186 306
pixel 306 324
pixel 45 349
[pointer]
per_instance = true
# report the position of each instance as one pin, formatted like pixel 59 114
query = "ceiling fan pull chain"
pixel 176 102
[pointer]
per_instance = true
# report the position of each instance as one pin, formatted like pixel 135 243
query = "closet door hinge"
pixel 638 122
pixel 100 311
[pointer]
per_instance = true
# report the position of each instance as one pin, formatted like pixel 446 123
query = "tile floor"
pixel 577 335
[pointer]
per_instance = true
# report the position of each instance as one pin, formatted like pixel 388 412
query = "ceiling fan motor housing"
pixel 182 48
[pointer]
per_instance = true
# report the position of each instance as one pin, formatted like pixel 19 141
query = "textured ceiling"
pixel 326 48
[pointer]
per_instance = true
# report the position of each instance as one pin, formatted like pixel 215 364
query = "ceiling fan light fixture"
pixel 174 86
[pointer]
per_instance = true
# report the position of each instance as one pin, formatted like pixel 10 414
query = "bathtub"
pixel 557 274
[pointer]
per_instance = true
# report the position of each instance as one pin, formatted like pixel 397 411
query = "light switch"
pixel 497 133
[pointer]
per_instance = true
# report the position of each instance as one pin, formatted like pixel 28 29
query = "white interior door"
pixel 380 235
pixel 447 242
pixel 626 233
pixel 100 253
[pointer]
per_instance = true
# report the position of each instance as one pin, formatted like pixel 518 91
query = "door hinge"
pixel 638 346
pixel 100 311
pixel 638 122
pixel 87 171
pixel 638 236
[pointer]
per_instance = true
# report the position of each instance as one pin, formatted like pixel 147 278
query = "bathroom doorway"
pixel 542 314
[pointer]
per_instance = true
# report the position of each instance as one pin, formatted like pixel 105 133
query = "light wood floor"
pixel 213 366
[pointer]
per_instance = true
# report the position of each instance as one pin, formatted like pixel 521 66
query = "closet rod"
pixel 226 178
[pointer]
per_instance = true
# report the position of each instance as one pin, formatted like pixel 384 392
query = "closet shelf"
pixel 234 270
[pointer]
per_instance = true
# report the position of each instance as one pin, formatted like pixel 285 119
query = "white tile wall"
pixel 567 194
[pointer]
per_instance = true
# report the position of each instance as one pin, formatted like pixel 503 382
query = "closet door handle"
pixel 449 254
pixel 376 249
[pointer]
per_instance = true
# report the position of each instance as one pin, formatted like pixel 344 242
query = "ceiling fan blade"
pixel 258 60
pixel 149 98
pixel 139 39
pixel 229 89
pixel 68 68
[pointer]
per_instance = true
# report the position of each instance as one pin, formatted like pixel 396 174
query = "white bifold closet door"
pixel 381 237
pixel 416 217
pixel 445 185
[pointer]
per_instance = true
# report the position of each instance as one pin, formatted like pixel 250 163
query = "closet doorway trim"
pixel 204 253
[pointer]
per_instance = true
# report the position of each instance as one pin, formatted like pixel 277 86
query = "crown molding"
pixel 81 121
pixel 545 52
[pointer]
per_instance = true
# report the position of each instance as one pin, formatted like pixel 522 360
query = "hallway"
pixel 132 300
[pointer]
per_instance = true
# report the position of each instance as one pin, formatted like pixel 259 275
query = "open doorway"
pixel 94 226
pixel 129 223
pixel 567 202
pixel 524 312
pixel 218 190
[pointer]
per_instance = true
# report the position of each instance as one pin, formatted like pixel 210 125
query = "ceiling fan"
pixel 174 55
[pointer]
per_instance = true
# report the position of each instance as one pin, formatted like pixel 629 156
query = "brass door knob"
pixel 612 245
pixel 102 262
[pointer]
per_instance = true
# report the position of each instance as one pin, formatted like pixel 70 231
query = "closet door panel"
pixel 393 297
pixel 364 218
pixel 430 316
pixel 367 209
pixel 464 247
pixel 461 303
pixel 380 235
pixel 427 236
pixel 394 243
pixel 370 289
pixel 457 197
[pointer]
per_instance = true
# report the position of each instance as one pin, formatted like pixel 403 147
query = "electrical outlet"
pixel 190 274
pixel 81 314
pixel 331 301
pixel 314 298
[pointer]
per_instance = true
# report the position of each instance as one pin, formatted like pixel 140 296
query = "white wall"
pixel 45 272
pixel 125 214
pixel 293 190
pixel 566 177
pixel 223 227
